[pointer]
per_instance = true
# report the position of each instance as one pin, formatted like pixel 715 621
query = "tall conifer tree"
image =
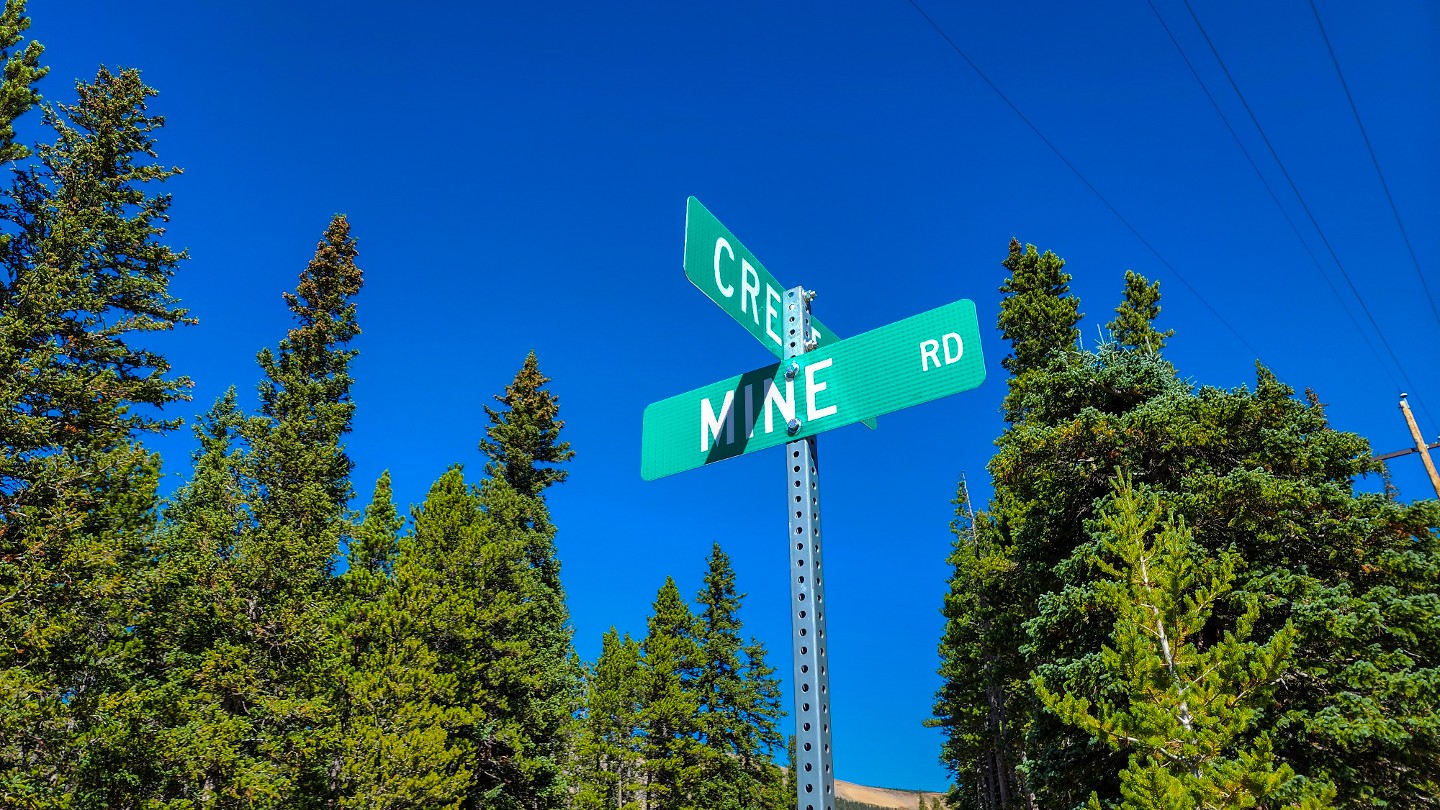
pixel 1259 474
pixel 524 448
pixel 303 476
pixel 84 271
pixel 1038 316
pixel 670 717
pixel 420 693
pixel 251 539
pixel 1134 324
pixel 979 666
pixel 523 439
pixel 1192 697
pixel 608 759
pixel 739 699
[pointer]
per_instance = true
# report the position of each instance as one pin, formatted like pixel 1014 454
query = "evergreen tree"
pixel 187 746
pixel 979 657
pixel 1258 474
pixel 393 747
pixel 303 478
pixel 1037 315
pixel 669 717
pixel 84 271
pixel 1134 324
pixel 17 84
pixel 376 541
pixel 544 693
pixel 1190 710
pixel 243 635
pixel 608 752
pixel 416 651
pixel 523 440
pixel 739 700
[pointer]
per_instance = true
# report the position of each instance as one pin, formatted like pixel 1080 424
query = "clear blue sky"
pixel 516 175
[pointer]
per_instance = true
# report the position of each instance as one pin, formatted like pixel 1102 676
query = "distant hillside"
pixel 850 796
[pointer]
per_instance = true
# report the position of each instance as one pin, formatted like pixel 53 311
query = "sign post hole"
pixel 814 772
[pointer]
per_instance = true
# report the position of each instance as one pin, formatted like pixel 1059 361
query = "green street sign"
pixel 731 276
pixel 923 357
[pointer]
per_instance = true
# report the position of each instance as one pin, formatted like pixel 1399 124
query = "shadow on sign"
pixel 719 451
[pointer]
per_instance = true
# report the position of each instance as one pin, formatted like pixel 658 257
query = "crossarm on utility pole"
pixel 1420 446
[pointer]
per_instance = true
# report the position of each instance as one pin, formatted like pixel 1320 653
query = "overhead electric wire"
pixel 1303 205
pixel 1176 273
pixel 1271 191
pixel 1434 310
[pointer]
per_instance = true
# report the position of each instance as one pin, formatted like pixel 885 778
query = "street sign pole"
pixel 814 774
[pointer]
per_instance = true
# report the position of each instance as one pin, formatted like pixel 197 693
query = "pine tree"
pixel 1259 474
pixel 543 695
pixel 185 743
pixel 1134 324
pixel 386 675
pixel 521 441
pixel 979 657
pixel 85 270
pixel 738 699
pixel 608 752
pixel 1037 315
pixel 303 479
pixel 524 438
pixel 375 542
pixel 416 683
pixel 1192 697
pixel 22 72
pixel 244 632
pixel 670 714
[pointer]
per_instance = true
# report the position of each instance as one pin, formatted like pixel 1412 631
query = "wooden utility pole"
pixel 1420 446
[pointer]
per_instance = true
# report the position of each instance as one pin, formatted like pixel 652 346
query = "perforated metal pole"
pixel 814 775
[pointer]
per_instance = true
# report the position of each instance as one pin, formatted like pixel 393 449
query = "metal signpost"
pixel 818 385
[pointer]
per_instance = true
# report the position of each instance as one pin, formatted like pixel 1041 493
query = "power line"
pixel 1303 205
pixel 1376 161
pixel 1360 330
pixel 1176 273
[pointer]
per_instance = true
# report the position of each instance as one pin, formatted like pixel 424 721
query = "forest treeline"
pixel 1177 598
pixel 208 649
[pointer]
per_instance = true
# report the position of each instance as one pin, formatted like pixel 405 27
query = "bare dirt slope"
pixel 883 797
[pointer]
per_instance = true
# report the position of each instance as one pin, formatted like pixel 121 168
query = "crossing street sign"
pixel 914 360
pixel 730 275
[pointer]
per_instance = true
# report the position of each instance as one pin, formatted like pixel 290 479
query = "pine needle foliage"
pixel 1193 693
pixel 1262 480
pixel 85 275
pixel 1134 324
pixel 609 761
pixel 523 439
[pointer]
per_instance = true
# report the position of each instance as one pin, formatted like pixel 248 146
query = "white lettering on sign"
pixel 710 421
pixel 721 244
pixel 959 347
pixel 785 405
pixel 749 288
pixel 749 411
pixel 812 388
pixel 930 350
pixel 771 313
